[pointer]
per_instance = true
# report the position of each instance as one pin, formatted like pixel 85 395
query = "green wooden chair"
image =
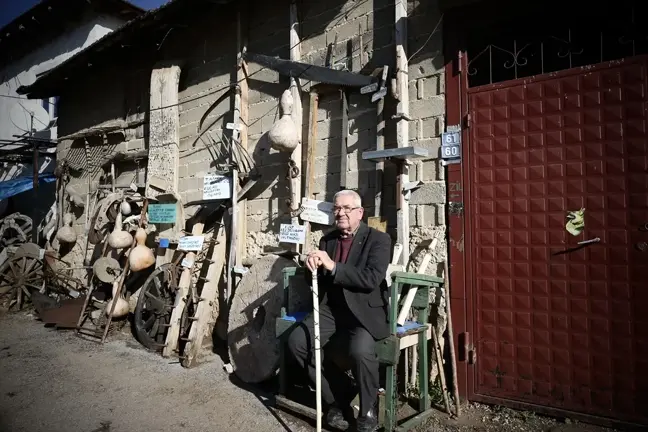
pixel 388 349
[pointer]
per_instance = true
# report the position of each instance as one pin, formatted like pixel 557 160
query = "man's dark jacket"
pixel 362 277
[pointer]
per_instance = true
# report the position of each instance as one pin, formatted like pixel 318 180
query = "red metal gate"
pixel 555 323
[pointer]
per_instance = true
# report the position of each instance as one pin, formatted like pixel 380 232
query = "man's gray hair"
pixel 357 200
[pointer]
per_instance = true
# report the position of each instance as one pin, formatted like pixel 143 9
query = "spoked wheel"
pixel 154 306
pixel 19 277
pixel 188 313
pixel 15 228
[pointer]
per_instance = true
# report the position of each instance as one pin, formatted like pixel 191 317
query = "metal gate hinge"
pixel 456 208
pixel 472 355
pixel 467 120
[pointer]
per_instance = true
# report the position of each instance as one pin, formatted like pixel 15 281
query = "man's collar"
pixel 342 235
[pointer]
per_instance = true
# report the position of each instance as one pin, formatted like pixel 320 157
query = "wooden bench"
pixel 388 350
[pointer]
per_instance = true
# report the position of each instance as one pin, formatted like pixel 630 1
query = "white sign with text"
pixel 191 243
pixel 292 234
pixel 216 187
pixel 320 212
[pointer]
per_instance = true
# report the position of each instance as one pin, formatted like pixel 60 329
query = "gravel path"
pixel 56 382
pixel 53 381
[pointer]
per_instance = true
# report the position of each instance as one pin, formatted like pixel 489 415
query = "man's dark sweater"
pixel 336 299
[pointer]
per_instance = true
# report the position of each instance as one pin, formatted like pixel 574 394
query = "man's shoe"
pixel 368 422
pixel 335 418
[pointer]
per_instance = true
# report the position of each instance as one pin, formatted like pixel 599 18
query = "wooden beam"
pixel 345 139
pixel 402 127
pixel 180 302
pixel 295 86
pixel 244 119
pixel 202 322
pixel 310 156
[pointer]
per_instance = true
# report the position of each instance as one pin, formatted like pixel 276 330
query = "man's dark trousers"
pixel 360 349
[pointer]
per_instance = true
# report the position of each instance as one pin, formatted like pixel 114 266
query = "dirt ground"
pixel 56 382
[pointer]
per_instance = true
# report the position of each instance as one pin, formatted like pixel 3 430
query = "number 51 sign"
pixel 451 145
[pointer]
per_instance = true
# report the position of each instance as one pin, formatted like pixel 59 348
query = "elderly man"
pixel 352 262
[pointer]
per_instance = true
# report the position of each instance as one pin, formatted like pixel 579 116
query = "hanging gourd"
pixel 118 238
pixel 121 308
pixel 125 208
pixel 283 134
pixel 141 257
pixel 66 234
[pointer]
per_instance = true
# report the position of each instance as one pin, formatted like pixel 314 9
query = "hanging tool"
pixel 306 71
pixel 453 359
pixel 407 304
pixel 439 362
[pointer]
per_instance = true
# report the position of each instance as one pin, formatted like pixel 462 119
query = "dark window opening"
pixel 533 38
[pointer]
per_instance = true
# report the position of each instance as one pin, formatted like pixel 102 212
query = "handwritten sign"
pixel 191 243
pixel 162 213
pixel 216 187
pixel 320 212
pixel 292 234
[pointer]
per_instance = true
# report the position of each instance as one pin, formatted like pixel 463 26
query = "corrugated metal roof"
pixel 50 83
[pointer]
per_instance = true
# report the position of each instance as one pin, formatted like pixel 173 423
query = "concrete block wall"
pixel 361 38
pixel 427 110
pixel 119 99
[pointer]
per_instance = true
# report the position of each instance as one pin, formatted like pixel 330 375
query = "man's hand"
pixel 319 258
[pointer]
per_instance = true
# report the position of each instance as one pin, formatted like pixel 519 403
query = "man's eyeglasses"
pixel 344 209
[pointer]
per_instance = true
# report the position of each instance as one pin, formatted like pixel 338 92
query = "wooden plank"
pixel 244 120
pixel 345 137
pixel 402 127
pixel 164 131
pixel 309 174
pixel 180 302
pixel 295 407
pixel 295 54
pixel 380 166
pixel 209 295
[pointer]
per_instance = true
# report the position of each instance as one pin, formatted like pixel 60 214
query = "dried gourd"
pixel 66 234
pixel 118 238
pixel 121 308
pixel 141 257
pixel 283 134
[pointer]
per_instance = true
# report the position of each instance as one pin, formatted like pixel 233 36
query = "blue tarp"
pixel 18 185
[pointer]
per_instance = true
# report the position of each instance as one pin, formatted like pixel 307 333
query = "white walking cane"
pixel 318 357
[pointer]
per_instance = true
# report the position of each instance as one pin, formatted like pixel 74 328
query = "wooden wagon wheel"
pixel 19 276
pixel 154 306
pixel 15 228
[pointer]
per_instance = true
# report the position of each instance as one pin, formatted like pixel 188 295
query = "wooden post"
pixel 345 138
pixel 310 156
pixel 180 302
pixel 295 54
pixel 35 191
pixel 402 128
pixel 241 79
